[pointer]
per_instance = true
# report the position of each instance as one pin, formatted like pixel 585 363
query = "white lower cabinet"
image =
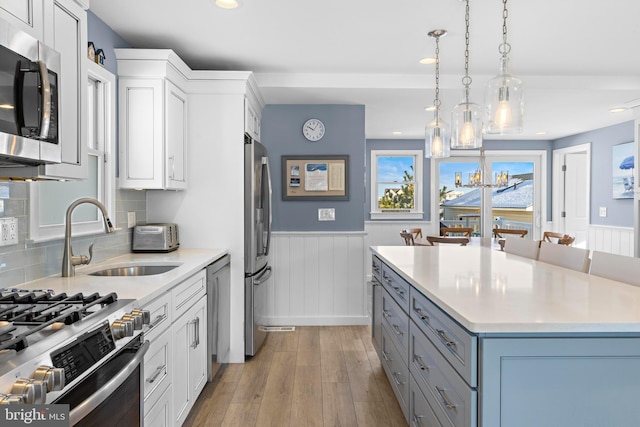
pixel 175 366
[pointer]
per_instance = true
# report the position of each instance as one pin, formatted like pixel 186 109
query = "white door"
pixel 576 197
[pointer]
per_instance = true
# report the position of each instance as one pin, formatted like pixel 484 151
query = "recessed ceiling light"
pixel 617 109
pixel 396 132
pixel 542 132
pixel 430 108
pixel 227 4
pixel 428 60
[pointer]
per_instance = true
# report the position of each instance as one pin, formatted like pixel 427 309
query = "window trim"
pixel 107 109
pixel 418 212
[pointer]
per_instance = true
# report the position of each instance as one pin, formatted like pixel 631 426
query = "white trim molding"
pixel 615 240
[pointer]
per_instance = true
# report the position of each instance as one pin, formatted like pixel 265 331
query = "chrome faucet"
pixel 69 261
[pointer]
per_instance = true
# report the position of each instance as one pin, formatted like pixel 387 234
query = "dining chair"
pixel 416 232
pixel 616 267
pixel 562 239
pixel 462 241
pixel 408 238
pixel 456 231
pixel 564 256
pixel 521 247
pixel 501 232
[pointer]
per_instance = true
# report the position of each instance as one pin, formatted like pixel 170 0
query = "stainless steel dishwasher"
pixel 219 315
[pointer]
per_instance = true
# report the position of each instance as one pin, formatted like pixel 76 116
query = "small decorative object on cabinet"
pixel 91 51
pixel 100 57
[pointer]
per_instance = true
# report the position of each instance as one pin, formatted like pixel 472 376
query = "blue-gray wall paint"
pixel 619 211
pixel 281 133
pixel 103 37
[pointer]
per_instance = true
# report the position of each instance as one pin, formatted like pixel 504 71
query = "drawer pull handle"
pixel 417 420
pixel 387 358
pixel 421 314
pixel 157 320
pixel 397 330
pixel 386 314
pixel 446 402
pixel 156 374
pixel 418 359
pixel 395 376
pixel 398 291
pixel 448 342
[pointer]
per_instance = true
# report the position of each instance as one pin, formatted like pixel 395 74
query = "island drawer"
pixel 376 267
pixel 188 292
pixel 456 344
pixel 395 366
pixel 451 398
pixel 397 322
pixel 420 412
pixel 397 286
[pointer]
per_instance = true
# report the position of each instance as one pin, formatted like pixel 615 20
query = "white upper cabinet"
pixel 251 118
pixel 24 14
pixel 153 122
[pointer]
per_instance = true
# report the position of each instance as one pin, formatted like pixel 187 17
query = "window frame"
pixel 417 213
pixel 104 132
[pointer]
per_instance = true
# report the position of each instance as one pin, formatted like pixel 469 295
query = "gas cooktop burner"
pixel 24 313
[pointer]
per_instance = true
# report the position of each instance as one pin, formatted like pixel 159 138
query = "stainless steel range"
pixel 71 349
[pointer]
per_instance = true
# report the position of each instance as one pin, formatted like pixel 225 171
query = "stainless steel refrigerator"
pixel 257 240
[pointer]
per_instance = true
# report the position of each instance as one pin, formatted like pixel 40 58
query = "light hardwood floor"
pixel 314 376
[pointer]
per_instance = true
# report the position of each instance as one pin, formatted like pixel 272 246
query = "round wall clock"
pixel 313 129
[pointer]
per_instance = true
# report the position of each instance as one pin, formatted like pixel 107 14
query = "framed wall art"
pixel 315 178
pixel 622 166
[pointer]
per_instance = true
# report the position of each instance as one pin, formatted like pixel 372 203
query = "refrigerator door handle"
pixel 266 178
pixel 266 274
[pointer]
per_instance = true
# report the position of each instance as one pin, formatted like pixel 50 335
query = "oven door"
pixel 113 393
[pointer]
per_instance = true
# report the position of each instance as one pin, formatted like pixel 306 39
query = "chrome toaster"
pixel 155 238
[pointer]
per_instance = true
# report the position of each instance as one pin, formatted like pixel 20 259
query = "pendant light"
pixel 504 94
pixel 437 143
pixel 466 117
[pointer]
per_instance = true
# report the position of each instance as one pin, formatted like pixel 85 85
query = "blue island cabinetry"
pixel 447 370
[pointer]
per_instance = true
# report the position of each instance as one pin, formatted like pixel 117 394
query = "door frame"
pixel 557 191
pixel 539 170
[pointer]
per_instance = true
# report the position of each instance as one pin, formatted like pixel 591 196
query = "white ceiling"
pixel 577 58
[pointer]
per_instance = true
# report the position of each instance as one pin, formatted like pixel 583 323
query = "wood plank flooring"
pixel 315 376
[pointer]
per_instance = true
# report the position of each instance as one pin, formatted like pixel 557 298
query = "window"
pixel 49 199
pixel 396 184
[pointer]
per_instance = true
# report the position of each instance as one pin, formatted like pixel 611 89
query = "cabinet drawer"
pixel 395 366
pixel 188 292
pixel 457 345
pixel 420 412
pixel 397 322
pixel 453 401
pixel 160 414
pixel 160 311
pixel 397 286
pixel 376 267
pixel 157 369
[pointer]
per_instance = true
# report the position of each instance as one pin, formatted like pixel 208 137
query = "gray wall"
pixel 281 133
pixel 619 211
pixel 103 37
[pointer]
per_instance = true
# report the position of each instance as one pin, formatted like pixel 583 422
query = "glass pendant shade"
pixel 466 126
pixel 437 142
pixel 504 101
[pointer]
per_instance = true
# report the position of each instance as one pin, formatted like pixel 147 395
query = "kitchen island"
pixel 471 336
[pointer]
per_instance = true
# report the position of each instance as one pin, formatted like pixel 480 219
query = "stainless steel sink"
pixel 134 270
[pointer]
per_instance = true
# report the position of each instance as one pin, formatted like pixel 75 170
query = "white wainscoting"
pixel 319 279
pixel 615 240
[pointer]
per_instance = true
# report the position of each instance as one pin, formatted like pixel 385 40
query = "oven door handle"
pixel 93 401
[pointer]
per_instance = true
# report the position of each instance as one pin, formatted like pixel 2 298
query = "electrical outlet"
pixel 9 231
pixel 603 212
pixel 131 219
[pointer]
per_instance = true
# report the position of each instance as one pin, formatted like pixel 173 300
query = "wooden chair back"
pixel 408 238
pixel 521 247
pixel 616 267
pixel 416 232
pixel 462 241
pixel 564 256
pixel 503 232
pixel 455 231
pixel 562 239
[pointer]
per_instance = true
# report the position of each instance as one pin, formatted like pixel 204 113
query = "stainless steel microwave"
pixel 29 110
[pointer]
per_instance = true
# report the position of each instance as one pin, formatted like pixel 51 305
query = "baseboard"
pixel 317 321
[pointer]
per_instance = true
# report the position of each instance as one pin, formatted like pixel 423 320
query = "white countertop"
pixel 489 291
pixel 142 288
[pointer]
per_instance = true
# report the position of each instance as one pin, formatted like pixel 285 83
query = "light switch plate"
pixel 603 212
pixel 326 214
pixel 131 219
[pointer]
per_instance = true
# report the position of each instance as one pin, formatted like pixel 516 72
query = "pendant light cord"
pixel 466 80
pixel 505 47
pixel 436 101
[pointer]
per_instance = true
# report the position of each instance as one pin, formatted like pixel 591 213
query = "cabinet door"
pixel 24 14
pixel 141 133
pixel 198 373
pixel 176 137
pixel 66 32
pixel 376 318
